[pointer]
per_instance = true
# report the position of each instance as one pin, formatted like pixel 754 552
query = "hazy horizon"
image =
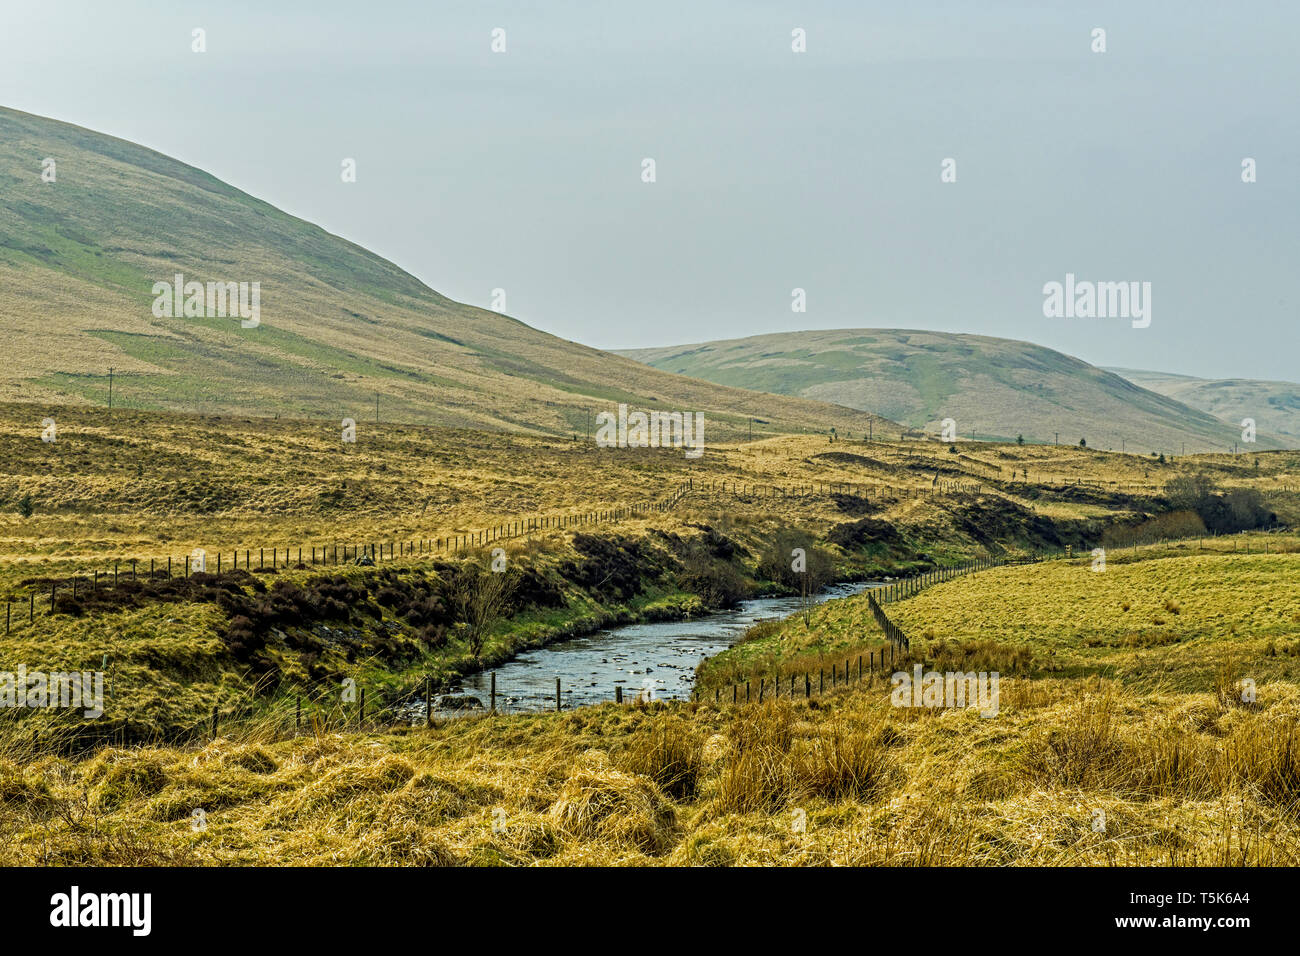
pixel 775 170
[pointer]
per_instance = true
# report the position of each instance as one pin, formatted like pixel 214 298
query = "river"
pixel 658 658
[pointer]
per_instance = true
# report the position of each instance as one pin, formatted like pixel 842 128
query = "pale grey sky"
pixel 775 170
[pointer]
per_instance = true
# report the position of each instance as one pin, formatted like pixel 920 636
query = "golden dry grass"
pixel 148 485
pixel 1141 721
pixel 1069 772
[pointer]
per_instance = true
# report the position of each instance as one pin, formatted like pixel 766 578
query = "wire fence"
pixel 877 661
pixel 319 555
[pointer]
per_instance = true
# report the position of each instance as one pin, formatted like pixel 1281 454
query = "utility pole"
pixel 1058 439
pixel 110 388
pixel 751 429
pixel 376 407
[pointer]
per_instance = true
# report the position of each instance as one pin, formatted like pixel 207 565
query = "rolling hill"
pixel 79 258
pixel 992 388
pixel 1275 406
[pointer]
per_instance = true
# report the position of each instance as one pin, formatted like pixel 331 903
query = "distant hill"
pixel 338 325
pixel 992 388
pixel 1275 406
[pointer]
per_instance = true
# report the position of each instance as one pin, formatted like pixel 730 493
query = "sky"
pixel 775 170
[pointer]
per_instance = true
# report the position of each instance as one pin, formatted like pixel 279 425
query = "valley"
pixel 360 575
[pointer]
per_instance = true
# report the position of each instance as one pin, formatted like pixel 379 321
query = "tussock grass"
pixel 671 753
pixel 604 805
pixel 843 780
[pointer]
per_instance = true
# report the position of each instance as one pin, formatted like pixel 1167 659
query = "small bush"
pixel 599 803
pixel 1085 753
pixel 843 761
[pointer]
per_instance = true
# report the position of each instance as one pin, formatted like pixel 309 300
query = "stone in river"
pixel 459 702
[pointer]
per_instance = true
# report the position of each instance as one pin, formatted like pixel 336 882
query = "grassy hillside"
pixel 79 257
pixel 993 388
pixel 1275 406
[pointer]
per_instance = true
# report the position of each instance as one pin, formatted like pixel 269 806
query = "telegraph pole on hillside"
pixel 110 389
pixel 376 408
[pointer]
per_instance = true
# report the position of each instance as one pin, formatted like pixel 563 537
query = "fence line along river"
pixel 658 657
